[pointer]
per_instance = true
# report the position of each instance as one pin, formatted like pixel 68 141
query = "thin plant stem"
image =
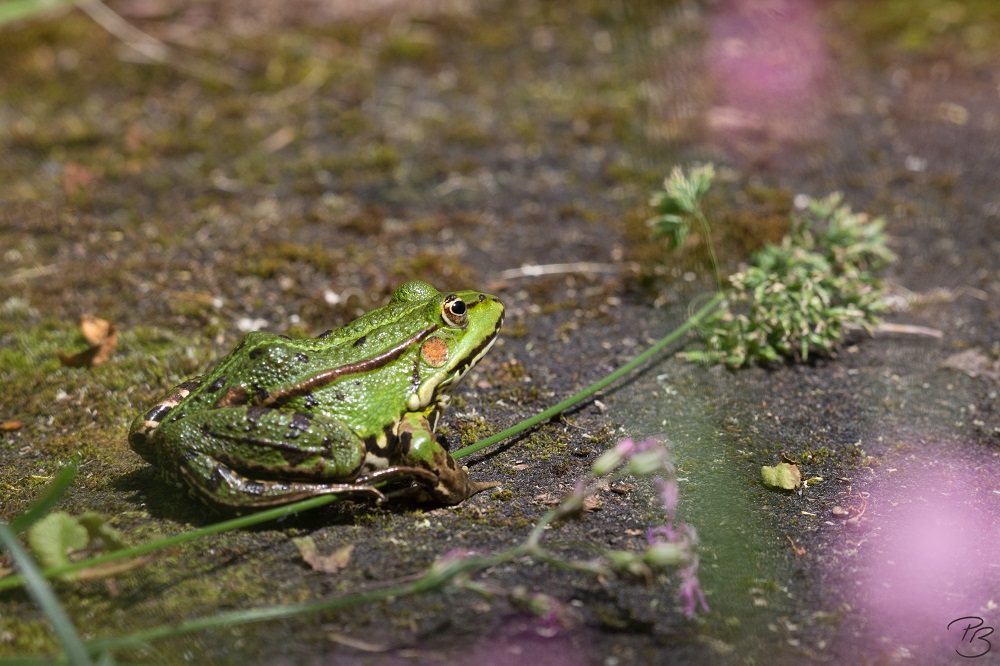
pixel 706 229
pixel 46 599
pixel 433 579
pixel 555 410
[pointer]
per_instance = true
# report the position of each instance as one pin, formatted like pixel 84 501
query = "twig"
pixel 900 329
pixel 136 39
pixel 536 270
pixel 150 47
pixel 799 550
pixel 907 329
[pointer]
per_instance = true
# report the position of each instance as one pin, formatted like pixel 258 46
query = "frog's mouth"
pixel 473 357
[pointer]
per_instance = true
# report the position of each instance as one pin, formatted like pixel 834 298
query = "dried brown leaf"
pixel 973 362
pixel 94 329
pixel 356 643
pixel 332 563
pixel 112 568
pixel 78 178
pixel 82 359
pixel 103 338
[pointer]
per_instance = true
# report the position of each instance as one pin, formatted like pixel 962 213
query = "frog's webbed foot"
pixel 219 484
pixel 476 487
pixel 448 489
pixel 427 486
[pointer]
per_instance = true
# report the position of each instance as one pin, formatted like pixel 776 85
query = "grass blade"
pixel 15 10
pixel 46 599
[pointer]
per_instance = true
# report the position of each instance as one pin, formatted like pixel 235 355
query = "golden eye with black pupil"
pixel 455 312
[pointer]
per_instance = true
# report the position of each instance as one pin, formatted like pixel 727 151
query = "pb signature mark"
pixel 974 633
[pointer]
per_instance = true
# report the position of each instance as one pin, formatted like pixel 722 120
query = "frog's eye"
pixel 455 312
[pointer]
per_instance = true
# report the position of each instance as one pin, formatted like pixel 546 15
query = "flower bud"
pixel 627 563
pixel 663 555
pixel 607 462
pixel 646 463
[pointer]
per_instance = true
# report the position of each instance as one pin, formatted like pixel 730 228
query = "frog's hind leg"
pixel 219 484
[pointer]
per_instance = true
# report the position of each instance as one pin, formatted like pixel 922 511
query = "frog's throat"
pixel 280 397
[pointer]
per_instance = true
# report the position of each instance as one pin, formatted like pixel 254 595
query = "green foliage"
pixel 677 204
pixel 16 10
pixel 796 299
pixel 55 536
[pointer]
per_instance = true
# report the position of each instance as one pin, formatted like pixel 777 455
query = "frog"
pixel 278 419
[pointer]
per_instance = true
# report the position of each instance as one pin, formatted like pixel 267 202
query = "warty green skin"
pixel 278 420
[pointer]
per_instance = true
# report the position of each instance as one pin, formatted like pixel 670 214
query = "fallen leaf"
pixel 94 329
pixel 331 563
pixel 973 363
pixel 98 528
pixel 59 535
pixel 592 503
pixel 783 475
pixel 7 426
pixel 103 338
pixel 55 536
pixel 82 359
pixel 78 178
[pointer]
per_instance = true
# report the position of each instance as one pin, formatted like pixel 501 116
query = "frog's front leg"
pixel 418 447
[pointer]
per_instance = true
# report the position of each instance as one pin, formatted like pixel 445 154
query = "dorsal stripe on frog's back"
pixel 281 396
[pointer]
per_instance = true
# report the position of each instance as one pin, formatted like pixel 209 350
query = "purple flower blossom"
pixel 627 447
pixel 661 534
pixel 668 490
pixel 651 457
pixel 646 445
pixel 690 590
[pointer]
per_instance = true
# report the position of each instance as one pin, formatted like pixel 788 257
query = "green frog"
pixel 278 420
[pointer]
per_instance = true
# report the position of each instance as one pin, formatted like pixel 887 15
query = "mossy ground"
pixel 291 171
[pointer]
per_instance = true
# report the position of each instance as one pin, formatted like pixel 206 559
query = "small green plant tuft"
pixel 796 299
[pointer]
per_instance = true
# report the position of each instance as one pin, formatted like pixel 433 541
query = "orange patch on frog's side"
pixel 435 352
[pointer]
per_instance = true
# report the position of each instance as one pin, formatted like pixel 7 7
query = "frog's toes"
pixel 476 487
